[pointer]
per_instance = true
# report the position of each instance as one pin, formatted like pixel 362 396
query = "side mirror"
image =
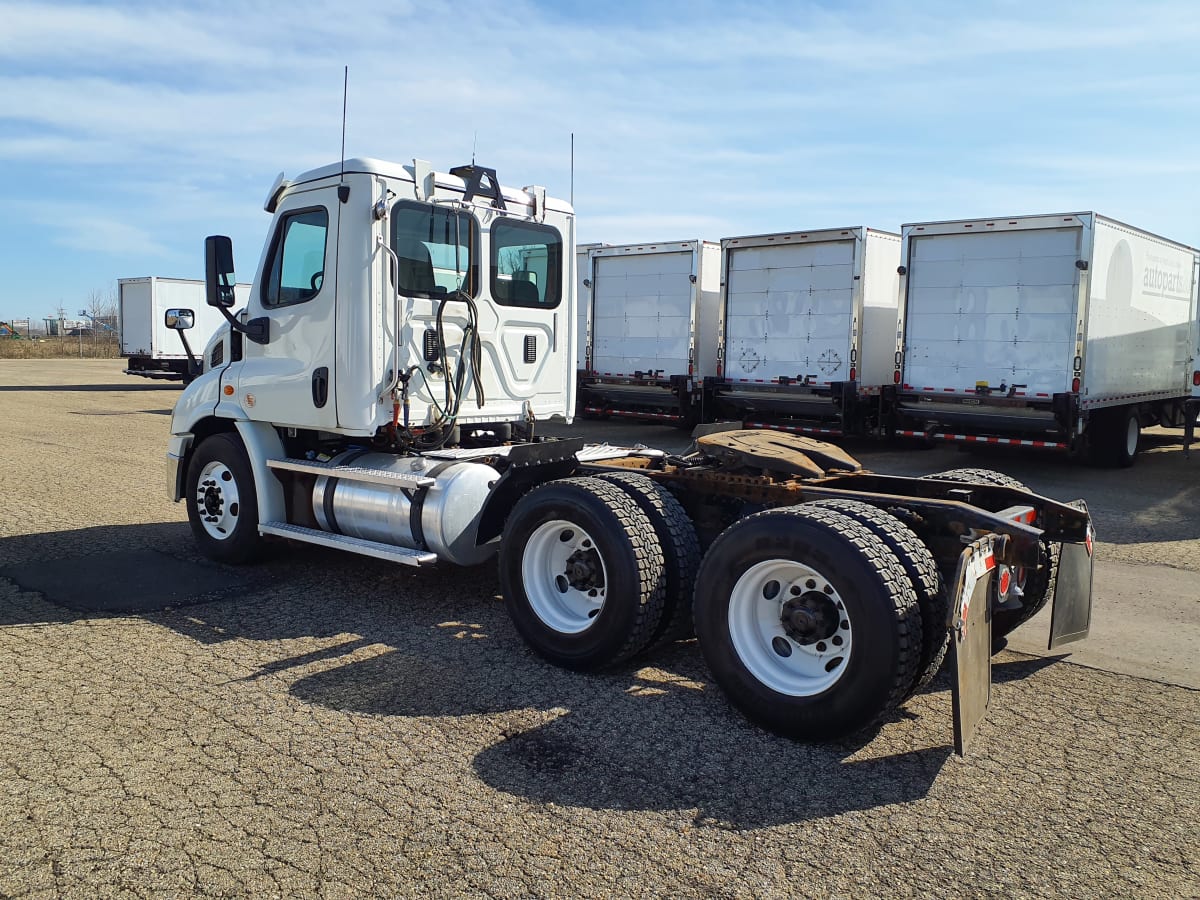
pixel 179 319
pixel 218 271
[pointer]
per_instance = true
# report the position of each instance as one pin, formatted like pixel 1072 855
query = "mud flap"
pixel 1071 616
pixel 971 638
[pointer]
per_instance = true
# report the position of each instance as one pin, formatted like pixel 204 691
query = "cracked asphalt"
pixel 322 725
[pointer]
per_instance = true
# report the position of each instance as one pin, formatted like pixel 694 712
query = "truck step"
pixel 389 552
pixel 352 473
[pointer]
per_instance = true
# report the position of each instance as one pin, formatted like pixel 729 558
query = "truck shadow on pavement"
pixel 66 575
pixel 123 387
pixel 660 737
pixel 656 734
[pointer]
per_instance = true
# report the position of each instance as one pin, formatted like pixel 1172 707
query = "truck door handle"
pixel 320 386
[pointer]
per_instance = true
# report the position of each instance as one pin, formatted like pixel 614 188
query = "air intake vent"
pixel 218 355
pixel 431 345
pixel 530 348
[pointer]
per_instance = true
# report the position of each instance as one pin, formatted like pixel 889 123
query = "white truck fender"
pixel 262 443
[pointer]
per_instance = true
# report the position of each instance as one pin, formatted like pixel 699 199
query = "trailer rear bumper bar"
pixel 666 399
pixel 983 439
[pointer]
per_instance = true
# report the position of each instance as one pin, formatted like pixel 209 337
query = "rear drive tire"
pixel 680 547
pixel 222 502
pixel 807 621
pixel 581 572
pixel 1039 583
pixel 922 571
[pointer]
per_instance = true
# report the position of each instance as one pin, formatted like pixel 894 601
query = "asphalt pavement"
pixel 332 726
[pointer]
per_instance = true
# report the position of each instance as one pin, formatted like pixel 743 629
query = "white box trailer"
pixel 1069 332
pixel 583 297
pixel 651 330
pixel 153 350
pixel 1192 407
pixel 808 329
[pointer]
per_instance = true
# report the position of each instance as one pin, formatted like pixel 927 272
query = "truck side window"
pixel 296 270
pixel 526 264
pixel 437 250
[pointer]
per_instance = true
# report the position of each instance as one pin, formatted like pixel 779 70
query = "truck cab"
pixel 380 285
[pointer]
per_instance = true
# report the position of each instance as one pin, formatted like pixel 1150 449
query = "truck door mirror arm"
pixel 219 288
pixel 180 320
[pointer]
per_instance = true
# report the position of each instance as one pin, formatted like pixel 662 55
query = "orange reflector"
pixel 1074 385
pixel 1024 514
pixel 228 390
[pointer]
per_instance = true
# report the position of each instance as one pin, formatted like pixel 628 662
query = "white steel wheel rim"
pixel 780 658
pixel 564 576
pixel 1131 436
pixel 218 504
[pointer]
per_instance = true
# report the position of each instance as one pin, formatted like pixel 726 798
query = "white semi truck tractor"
pixel 380 393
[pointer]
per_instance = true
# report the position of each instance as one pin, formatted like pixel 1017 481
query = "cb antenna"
pixel 345 91
pixel 474 143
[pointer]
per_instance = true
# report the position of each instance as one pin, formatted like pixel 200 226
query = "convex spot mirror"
pixel 179 319
pixel 218 271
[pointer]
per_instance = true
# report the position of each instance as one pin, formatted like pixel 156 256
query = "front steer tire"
pixel 222 501
pixel 582 574
pixel 808 622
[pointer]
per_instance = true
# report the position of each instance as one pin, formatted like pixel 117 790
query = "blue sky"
pixel 129 131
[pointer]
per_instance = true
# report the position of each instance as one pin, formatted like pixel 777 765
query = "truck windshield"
pixel 437 249
pixel 526 264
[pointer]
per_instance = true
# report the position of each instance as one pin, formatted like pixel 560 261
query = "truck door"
pixel 526 279
pixel 289 380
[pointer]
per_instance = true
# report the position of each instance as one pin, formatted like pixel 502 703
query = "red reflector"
pixel 1005 582
pixel 896 377
pixel 853 374
pixel 690 369
pixel 1196 379
pixel 1075 385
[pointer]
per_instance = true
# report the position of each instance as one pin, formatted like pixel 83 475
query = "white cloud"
pixel 699 119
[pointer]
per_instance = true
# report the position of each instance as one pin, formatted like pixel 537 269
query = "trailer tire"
pixel 1125 436
pixel 581 572
pixel 1039 584
pixel 838 653
pixel 922 570
pixel 222 501
pixel 680 547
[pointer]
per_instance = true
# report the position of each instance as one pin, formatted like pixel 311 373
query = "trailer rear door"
pixel 135 316
pixel 642 305
pixel 790 311
pixel 995 307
